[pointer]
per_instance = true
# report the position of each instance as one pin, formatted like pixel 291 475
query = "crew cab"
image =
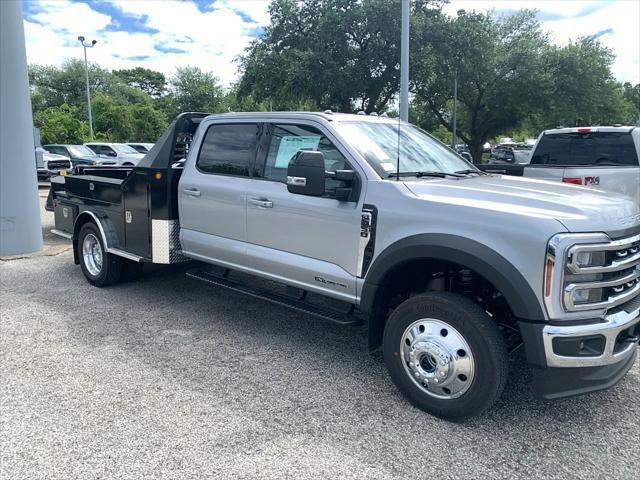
pixel 603 158
pixel 361 219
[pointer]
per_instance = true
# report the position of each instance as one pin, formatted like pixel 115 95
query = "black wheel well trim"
pixel 483 260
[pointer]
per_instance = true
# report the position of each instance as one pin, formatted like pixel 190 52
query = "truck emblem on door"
pixel 592 180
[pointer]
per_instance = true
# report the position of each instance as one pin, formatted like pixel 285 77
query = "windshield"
pixel 122 148
pixel 586 148
pixel 81 151
pixel 522 156
pixel 378 144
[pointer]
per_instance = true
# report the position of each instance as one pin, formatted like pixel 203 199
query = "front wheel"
pixel 445 354
pixel 99 267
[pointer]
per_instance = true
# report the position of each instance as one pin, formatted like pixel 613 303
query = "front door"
pixel 212 193
pixel 311 242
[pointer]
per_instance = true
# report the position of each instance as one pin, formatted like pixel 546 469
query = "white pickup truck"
pixel 604 158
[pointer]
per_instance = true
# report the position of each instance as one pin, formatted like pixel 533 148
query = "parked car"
pixel 451 268
pixel 79 155
pixel 49 164
pixel 120 152
pixel 141 147
pixel 462 149
pixel 602 158
pixel 510 155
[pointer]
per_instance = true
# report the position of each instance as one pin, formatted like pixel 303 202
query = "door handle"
pixel 261 202
pixel 192 192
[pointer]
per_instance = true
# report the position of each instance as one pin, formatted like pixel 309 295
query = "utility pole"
pixel 86 77
pixel 454 139
pixel 404 63
pixel 20 229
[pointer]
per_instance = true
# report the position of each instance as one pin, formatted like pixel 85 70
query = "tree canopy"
pixel 338 54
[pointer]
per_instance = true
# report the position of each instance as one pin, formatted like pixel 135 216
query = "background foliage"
pixel 343 55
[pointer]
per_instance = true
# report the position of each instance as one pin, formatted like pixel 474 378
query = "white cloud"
pixel 184 35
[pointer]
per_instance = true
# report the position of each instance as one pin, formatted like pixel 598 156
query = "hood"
pixel 579 209
pixel 53 156
pixel 133 156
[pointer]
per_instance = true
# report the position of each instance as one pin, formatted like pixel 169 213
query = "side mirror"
pixel 306 174
pixel 112 154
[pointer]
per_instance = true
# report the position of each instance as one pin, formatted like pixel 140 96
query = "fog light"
pixel 586 295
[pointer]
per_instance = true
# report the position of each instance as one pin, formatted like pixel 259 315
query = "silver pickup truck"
pixel 452 269
pixel 601 158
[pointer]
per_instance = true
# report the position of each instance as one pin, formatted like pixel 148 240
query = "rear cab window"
pixel 586 148
pixel 228 149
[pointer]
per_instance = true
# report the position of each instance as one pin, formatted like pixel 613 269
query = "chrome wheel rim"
pixel 437 358
pixel 92 254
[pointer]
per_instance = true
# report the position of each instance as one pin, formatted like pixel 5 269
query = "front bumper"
pixel 576 359
pixel 612 338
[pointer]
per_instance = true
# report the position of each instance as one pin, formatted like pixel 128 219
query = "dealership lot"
pixel 171 378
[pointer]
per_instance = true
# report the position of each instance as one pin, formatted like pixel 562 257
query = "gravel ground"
pixel 170 378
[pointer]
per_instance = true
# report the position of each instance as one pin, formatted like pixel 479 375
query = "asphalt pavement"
pixel 167 377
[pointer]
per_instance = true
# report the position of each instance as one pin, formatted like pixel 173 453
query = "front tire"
pixel 99 267
pixel 445 355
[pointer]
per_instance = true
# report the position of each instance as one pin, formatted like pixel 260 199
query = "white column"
pixel 20 230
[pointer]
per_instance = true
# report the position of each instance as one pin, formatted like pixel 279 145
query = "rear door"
pixel 604 160
pixel 213 192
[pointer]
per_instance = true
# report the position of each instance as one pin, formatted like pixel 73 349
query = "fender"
pixel 519 295
pixel 107 232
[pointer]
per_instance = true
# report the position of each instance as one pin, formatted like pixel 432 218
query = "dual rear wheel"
pixel 100 267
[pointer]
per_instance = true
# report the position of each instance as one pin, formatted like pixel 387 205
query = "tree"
pixel 338 54
pixel 191 89
pixel 500 64
pixel 126 122
pixel 55 86
pixel 631 95
pixel 61 125
pixel 584 91
pixel 149 81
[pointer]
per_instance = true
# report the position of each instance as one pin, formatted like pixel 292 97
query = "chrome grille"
pixel 615 278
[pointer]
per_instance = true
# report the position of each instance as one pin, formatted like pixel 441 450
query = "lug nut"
pixel 443 374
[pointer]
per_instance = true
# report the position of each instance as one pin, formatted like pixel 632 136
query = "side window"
pixel 287 140
pixel 94 149
pixel 228 149
pixel 110 152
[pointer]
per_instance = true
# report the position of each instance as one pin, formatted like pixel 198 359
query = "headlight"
pixel 590 259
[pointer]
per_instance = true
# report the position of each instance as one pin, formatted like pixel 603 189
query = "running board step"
pixel 293 303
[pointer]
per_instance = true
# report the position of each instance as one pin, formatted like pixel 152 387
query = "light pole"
pixel 404 63
pixel 454 138
pixel 86 76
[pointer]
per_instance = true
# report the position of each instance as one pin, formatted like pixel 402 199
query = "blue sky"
pixel 164 34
